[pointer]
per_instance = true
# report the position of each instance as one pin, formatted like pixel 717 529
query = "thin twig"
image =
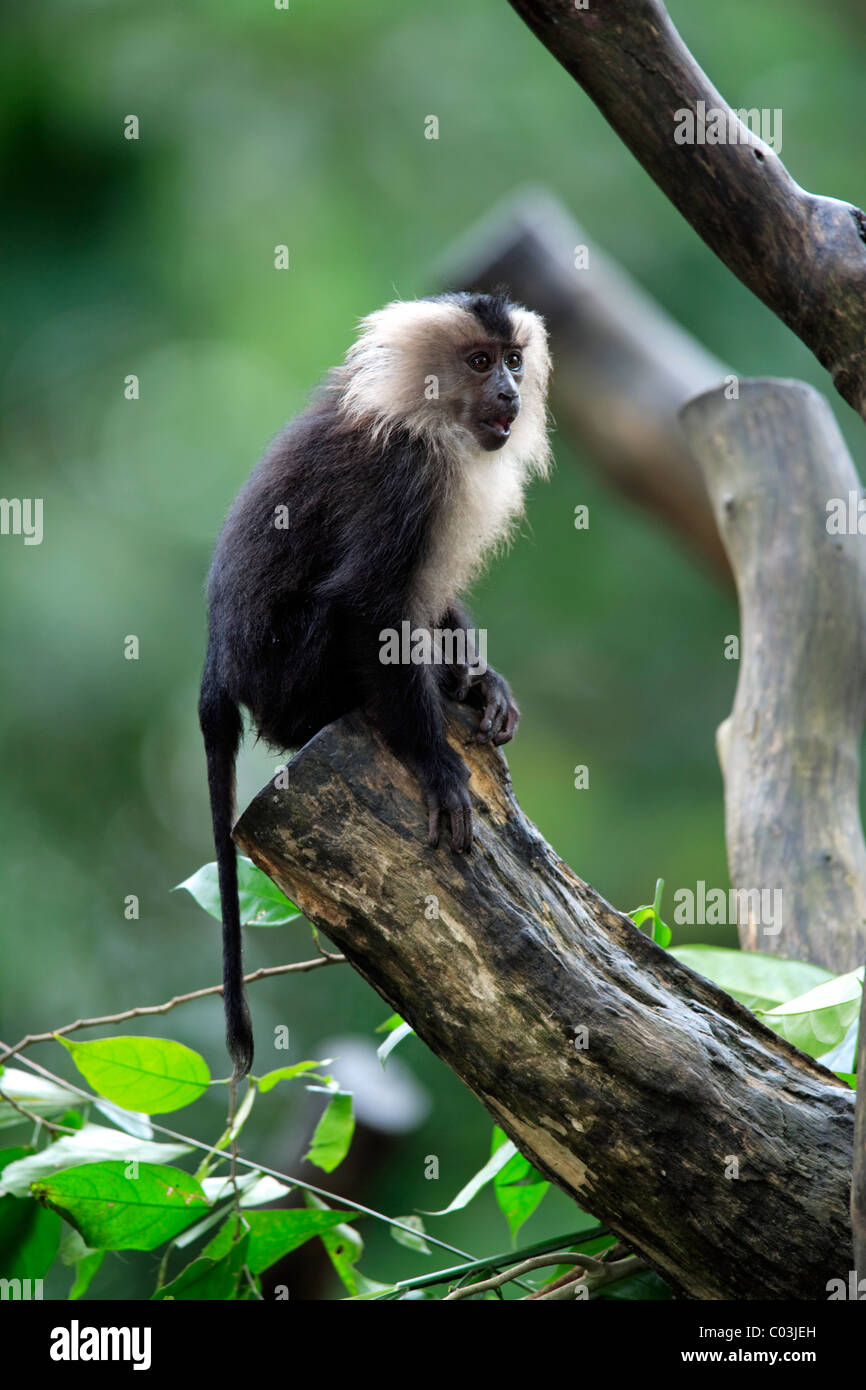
pixel 37 1119
pixel 297 968
pixel 557 1257
pixel 611 1271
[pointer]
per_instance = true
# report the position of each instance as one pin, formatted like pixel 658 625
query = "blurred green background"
pixel 155 257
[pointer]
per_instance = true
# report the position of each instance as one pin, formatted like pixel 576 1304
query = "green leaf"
pixel 92 1144
pixel 274 1234
pixel 87 1262
pixel 262 903
pixel 333 1134
pixel 85 1273
pixel 659 931
pixel 412 1242
pixel 503 1154
pixel 271 1078
pixel 393 1021
pixel 843 1057
pixel 12 1155
pixel 345 1248
pixel 28 1234
pixel 116 1212
pixel 519 1187
pixel 394 1038
pixel 756 980
pixel 249 1189
pixel 207 1279
pixel 151 1075
pixel 819 1020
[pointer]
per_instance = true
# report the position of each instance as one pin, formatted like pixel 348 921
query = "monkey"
pixel 378 504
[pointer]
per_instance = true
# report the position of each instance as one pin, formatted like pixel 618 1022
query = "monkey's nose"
pixel 510 398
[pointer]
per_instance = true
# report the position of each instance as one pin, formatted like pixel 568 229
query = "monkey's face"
pixel 487 400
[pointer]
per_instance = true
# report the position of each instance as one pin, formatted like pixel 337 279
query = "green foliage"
pixel 208 1277
pixel 816 1011
pixel 272 1078
pixel 28 1233
pixel 274 1234
pixel 90 1144
pixel 413 1239
pixel 262 903
pixel 821 1020
pixel 759 981
pixel 152 1075
pixel 519 1186
pixel 333 1134
pixel 93 1189
pixel 400 1031
pixel 659 931
pixel 123 1206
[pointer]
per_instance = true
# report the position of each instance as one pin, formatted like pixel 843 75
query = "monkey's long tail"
pixel 221 728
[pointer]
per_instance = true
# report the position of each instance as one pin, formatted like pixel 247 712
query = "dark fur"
pixel 295 617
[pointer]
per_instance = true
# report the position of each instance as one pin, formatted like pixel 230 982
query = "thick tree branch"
pixel 802 254
pixel 713 1148
pixel 790 751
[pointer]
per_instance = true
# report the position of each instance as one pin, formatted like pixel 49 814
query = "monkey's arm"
pixel 405 705
pixel 486 691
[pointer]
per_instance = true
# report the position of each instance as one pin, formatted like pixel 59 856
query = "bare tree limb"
pixel 802 254
pixel 716 1150
pixel 790 751
pixel 300 967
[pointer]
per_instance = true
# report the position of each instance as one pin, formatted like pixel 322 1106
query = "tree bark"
pixel 656 1101
pixel 790 751
pixel 624 368
pixel 802 254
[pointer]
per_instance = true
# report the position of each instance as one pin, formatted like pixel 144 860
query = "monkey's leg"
pixel 486 690
pixel 405 704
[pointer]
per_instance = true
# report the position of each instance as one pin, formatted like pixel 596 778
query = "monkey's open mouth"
pixel 500 425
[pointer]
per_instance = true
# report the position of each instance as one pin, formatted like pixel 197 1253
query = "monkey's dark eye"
pixel 514 361
pixel 479 362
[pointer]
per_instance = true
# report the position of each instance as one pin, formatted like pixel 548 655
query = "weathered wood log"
pixel 802 254
pixel 624 368
pixel 656 1101
pixel 790 751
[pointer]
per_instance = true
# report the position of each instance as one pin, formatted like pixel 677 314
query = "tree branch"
pixel 300 967
pixel 802 254
pixel 790 751
pixel 716 1150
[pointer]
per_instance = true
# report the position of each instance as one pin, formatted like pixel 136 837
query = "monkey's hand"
pixel 491 694
pixel 448 795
